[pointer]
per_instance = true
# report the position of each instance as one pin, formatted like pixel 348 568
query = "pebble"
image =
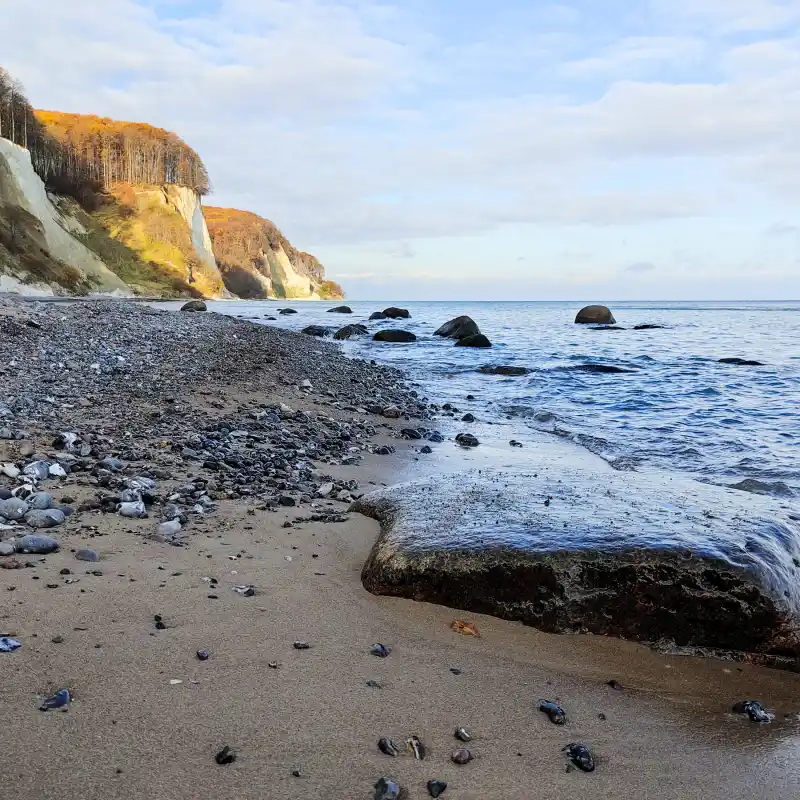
pixel 436 788
pixel 36 543
pixel 169 528
pixel 135 510
pixel 301 645
pixel 225 756
pixel 86 554
pixel 380 650
pixel 387 789
pixel 580 755
pixel 10 470
pixel 461 756
pixel 7 549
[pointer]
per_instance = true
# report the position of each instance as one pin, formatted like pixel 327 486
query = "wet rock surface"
pixel 458 328
pixel 567 550
pixel 595 314
pixel 477 340
pixel 394 336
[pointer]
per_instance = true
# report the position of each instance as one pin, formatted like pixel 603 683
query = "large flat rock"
pixel 637 555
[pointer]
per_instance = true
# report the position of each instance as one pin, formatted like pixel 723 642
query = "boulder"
pixel 13 509
pixel 568 548
pixel 377 315
pixel 316 330
pixel 194 305
pixel 467 440
pixel 478 340
pixel 340 310
pixel 48 518
pixel 396 313
pixel 491 369
pixel 287 311
pixel 394 336
pixel 595 314
pixel 458 328
pixel 349 331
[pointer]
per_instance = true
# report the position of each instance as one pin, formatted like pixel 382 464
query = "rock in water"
pixel 350 330
pixel 194 305
pixel 394 336
pixel 478 340
pixel 396 313
pixel 509 371
pixel 287 311
pixel 712 567
pixel 34 543
pixel 316 330
pixel 340 310
pixel 741 362
pixel 458 328
pixel 595 314
pixel 377 315
pixel 467 440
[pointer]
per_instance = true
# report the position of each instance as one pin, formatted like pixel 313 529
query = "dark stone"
pixel 287 500
pixel 608 328
pixel 741 362
pixel 595 314
pixel 394 336
pixel 426 449
pixel 410 433
pixel 340 310
pixel 287 311
pixel 600 558
pixel 468 418
pixel 387 789
pixel 316 330
pixel 225 756
pixel 778 488
pixel 580 756
pixel 350 330
pixel 194 305
pixel 601 368
pixel 396 313
pixel 436 788
pixel 478 340
pixel 377 315
pixel 648 327
pixel 467 440
pixel 490 369
pixel 458 328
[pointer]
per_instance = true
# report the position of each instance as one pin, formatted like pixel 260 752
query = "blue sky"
pixel 447 149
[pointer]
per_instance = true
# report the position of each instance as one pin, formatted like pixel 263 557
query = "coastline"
pixel 132 734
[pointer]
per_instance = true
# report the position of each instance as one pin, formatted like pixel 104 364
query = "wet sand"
pixel 131 734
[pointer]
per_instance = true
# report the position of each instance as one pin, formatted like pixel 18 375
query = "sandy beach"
pixel 148 716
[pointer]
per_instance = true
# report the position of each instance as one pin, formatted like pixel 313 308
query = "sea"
pixel 675 407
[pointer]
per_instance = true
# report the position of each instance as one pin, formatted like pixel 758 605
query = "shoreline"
pixel 131 734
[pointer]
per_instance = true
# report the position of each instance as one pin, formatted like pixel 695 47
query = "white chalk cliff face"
pixel 187 203
pixel 39 251
pixel 285 280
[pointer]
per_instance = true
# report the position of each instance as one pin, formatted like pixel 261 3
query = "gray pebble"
pixel 36 543
pixel 86 554
pixel 48 518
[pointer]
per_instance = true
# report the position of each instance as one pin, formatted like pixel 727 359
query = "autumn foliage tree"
pixel 75 153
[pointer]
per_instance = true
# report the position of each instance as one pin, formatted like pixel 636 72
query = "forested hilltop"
pixel 122 213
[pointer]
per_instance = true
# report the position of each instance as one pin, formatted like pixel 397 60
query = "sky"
pixel 460 149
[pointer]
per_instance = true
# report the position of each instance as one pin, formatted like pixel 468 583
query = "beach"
pixel 148 716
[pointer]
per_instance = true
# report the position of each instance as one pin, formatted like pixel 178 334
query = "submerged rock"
pixel 394 336
pixel 340 310
pixel 599 368
pixel 777 488
pixel 500 369
pixel 287 311
pixel 648 327
pixel 626 554
pixel 478 340
pixel 377 315
pixel 741 362
pixel 458 328
pixel 595 314
pixel 396 313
